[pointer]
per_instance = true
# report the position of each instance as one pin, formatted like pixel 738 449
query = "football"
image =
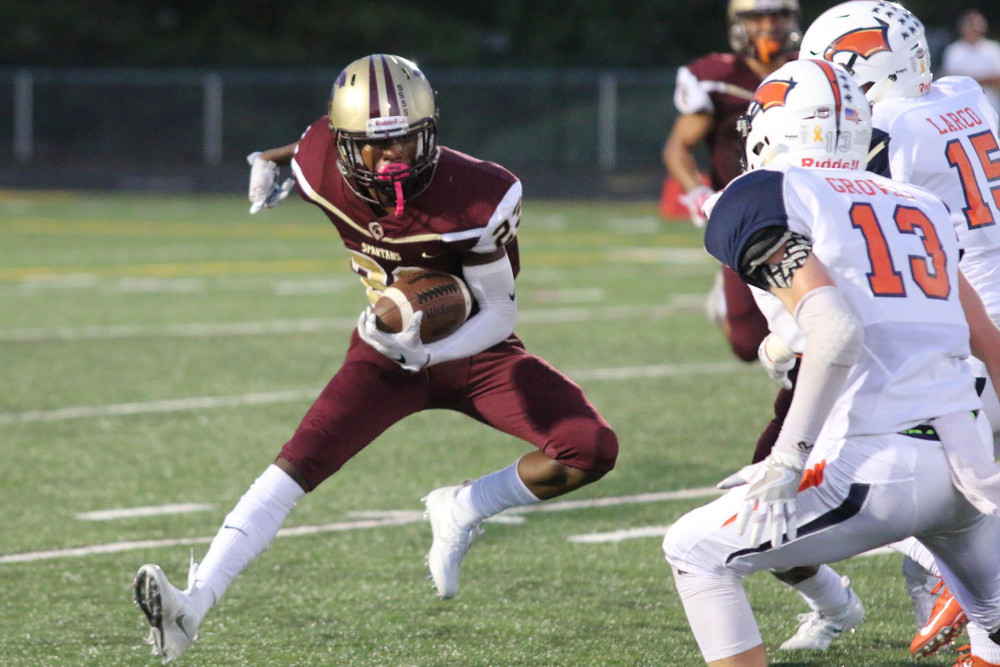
pixel 443 299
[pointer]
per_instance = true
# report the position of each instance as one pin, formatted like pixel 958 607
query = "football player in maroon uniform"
pixel 399 201
pixel 711 94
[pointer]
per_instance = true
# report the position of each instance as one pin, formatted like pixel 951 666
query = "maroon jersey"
pixel 470 206
pixel 720 84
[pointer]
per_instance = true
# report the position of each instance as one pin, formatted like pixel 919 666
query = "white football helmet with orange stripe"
pixel 808 113
pixel 381 97
pixel 880 43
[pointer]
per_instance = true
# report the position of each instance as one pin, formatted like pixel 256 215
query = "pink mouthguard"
pixel 391 168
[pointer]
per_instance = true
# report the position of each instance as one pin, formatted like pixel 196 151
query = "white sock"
pixel 493 493
pixel 982 645
pixel 824 591
pixel 247 530
pixel 918 553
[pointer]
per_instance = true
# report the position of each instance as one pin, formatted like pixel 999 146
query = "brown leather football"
pixel 443 299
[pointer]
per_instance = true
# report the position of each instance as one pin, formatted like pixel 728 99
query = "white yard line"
pixel 293 395
pixel 118 547
pixel 678 303
pixel 136 512
pixel 368 519
pixel 378 519
pixel 152 407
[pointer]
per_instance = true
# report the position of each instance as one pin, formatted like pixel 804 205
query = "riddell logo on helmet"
pixel 388 124
pixel 831 164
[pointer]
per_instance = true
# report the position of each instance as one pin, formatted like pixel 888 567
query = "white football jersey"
pixel 946 141
pixel 891 251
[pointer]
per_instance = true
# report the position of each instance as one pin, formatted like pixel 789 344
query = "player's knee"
pixel 594 445
pixel 682 548
pixel 671 545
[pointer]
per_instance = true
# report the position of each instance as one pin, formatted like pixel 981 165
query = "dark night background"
pixel 574 96
pixel 317 33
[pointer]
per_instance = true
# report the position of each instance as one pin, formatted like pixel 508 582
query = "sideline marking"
pixel 133 512
pixel 293 395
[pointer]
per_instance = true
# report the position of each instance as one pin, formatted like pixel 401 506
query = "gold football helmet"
pixel 744 38
pixel 381 97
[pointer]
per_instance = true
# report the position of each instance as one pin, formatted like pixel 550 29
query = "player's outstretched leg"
pixel 173 620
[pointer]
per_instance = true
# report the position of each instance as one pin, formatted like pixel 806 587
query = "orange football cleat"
pixel 946 621
pixel 969 660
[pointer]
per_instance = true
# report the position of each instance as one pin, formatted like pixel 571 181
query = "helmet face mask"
pixel 880 43
pixel 375 100
pixel 749 35
pixel 808 113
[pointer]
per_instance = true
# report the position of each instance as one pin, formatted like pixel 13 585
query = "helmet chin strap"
pixel 389 169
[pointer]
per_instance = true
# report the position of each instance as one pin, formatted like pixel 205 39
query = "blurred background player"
pixel 943 137
pixel 881 441
pixel 711 94
pixel 972 54
pixel 399 202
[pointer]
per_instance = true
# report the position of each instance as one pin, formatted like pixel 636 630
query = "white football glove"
pixel 694 201
pixel 777 359
pixel 769 506
pixel 265 190
pixel 405 348
pixel 740 477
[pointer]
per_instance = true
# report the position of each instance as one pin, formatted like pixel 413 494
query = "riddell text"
pixel 866 186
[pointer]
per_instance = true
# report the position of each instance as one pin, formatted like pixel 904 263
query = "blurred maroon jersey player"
pixel 400 202
pixel 710 95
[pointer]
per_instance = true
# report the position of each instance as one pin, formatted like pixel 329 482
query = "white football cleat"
pixel 451 539
pixel 818 630
pixel 173 621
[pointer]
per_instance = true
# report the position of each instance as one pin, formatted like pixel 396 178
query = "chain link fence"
pixel 565 132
